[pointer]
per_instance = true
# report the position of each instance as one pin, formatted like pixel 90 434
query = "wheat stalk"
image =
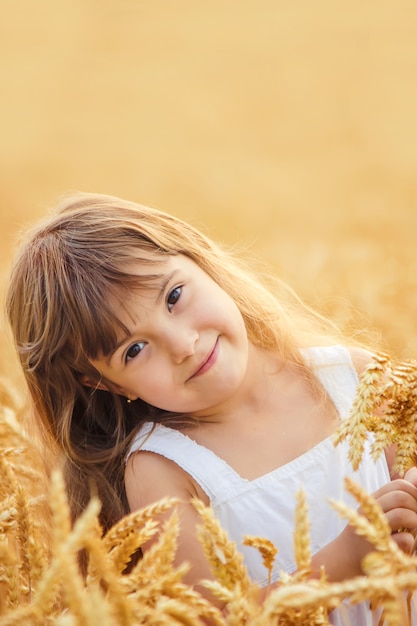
pixel 41 583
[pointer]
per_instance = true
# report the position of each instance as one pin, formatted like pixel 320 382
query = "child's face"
pixel 187 348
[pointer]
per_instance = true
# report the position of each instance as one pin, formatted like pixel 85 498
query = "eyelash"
pixel 137 343
pixel 170 305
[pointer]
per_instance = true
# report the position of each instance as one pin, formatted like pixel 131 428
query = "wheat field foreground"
pixel 41 582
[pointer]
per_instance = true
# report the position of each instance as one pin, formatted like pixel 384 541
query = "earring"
pixel 128 400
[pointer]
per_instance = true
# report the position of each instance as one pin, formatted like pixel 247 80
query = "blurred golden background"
pixel 288 127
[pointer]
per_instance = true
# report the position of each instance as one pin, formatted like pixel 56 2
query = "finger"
pixel 411 475
pixel 397 499
pixel 405 541
pixel 401 519
pixel 399 484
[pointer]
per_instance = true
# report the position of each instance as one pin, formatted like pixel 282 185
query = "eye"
pixel 134 350
pixel 173 298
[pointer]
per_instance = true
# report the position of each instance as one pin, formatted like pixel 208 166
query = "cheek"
pixel 223 308
pixel 149 385
pixel 235 318
pixel 153 386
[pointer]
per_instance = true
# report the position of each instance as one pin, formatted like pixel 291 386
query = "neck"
pixel 262 379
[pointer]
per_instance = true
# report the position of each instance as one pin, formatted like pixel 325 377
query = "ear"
pixel 87 381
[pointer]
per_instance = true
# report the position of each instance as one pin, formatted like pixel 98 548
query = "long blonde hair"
pixel 58 304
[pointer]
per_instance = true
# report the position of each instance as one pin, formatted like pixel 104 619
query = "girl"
pixel 159 365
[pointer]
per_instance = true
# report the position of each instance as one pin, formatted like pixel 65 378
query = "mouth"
pixel 208 361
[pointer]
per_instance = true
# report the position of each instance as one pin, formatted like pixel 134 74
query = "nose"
pixel 181 343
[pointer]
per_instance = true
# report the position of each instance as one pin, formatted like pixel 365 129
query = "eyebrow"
pixel 167 279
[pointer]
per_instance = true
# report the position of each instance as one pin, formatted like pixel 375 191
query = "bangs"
pixel 95 297
pixel 100 324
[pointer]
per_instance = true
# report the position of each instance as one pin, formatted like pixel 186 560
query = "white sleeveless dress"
pixel 265 507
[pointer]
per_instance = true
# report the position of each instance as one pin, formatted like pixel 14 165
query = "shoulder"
pixel 149 477
pixel 339 354
pixel 360 358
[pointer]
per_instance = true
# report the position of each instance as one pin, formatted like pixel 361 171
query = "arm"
pixel 149 477
pixel 398 500
pixel 343 556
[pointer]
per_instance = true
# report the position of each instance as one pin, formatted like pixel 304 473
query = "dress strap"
pixel 213 474
pixel 335 370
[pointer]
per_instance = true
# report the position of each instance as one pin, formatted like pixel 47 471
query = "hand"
pixel 398 500
pixel 405 537
pixel 411 476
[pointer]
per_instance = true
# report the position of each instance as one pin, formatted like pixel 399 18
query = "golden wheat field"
pixel 288 128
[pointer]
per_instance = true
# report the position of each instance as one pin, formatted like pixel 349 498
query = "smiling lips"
pixel 208 362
